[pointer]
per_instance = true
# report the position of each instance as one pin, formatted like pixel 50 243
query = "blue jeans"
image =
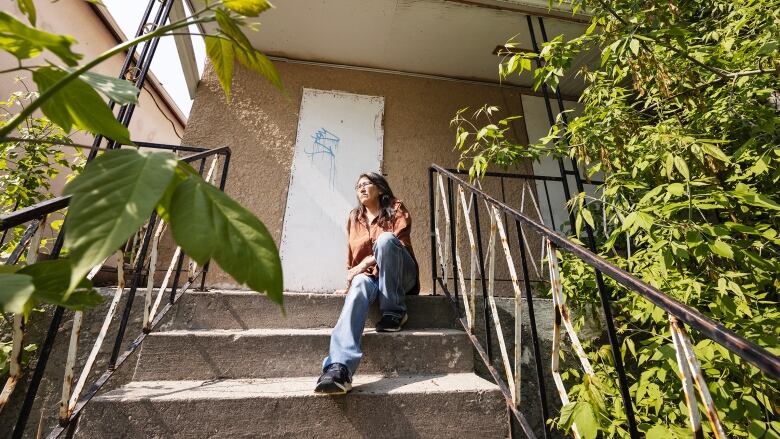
pixel 397 275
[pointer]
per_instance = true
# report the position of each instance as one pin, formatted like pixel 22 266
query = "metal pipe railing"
pixel 499 213
pixel 144 263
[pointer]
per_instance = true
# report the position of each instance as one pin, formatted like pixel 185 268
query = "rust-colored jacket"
pixel 361 238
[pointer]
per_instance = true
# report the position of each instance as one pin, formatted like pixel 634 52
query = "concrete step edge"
pixel 368 384
pixel 300 332
pixel 294 293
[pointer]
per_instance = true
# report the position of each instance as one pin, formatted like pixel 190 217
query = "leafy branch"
pixel 116 193
pixel 684 128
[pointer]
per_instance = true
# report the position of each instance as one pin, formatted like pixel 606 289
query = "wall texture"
pixel 260 126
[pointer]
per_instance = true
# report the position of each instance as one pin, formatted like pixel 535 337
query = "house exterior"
pixel 159 120
pixel 426 59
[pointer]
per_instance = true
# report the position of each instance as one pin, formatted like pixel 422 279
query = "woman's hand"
pixel 354 271
pixel 364 265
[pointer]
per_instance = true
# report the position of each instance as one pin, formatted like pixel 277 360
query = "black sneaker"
pixel 390 323
pixel 334 380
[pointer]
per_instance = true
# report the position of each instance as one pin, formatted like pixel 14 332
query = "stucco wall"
pixel 260 126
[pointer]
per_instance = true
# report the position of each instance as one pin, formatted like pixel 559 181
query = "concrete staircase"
pixel 229 364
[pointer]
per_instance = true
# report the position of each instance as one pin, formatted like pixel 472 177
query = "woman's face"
pixel 367 192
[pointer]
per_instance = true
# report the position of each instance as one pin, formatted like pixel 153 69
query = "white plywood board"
pixel 340 136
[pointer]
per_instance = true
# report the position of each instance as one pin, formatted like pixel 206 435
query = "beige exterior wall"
pixel 260 126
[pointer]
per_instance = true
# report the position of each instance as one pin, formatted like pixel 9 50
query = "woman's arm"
pixel 364 265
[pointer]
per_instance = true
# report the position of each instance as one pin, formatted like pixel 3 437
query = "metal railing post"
pixel 145 62
pixel 550 117
pixel 432 222
pixel 604 293
pixel 534 334
pixel 123 71
pixel 485 304
pixel 139 265
pixel 453 245
pixel 222 183
pixel 43 358
pixel 179 262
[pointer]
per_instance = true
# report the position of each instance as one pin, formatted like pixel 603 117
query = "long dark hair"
pixel 386 199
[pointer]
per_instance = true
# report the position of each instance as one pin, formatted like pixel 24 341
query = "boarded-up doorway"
pixel 339 137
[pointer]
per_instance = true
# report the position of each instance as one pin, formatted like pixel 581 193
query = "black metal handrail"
pixel 707 327
pixel 545 180
pixel 52 205
pixel 35 215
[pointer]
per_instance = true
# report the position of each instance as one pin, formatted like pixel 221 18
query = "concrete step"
pixel 266 353
pixel 453 405
pixel 229 309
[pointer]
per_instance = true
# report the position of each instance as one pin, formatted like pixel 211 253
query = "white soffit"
pixel 438 37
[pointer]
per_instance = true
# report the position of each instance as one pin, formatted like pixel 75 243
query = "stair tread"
pixel 264 332
pixel 294 387
pixel 241 309
pixel 299 293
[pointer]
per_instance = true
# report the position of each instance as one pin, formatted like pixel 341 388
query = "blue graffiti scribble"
pixel 325 144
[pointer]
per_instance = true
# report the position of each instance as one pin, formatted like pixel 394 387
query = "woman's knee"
pixel 360 286
pixel 384 240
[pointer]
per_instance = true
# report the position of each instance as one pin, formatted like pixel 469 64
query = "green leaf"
pixel 112 198
pixel 748 196
pixel 676 189
pixel 769 47
pixel 715 151
pixel 580 414
pixel 10 268
pixel 257 62
pixel 78 104
pixel 588 217
pixel 183 171
pixel 659 432
pixel 462 138
pixel 15 291
pixel 28 8
pixel 681 166
pixel 634 46
pixel 51 280
pixel 26 42
pixel 230 28
pixel 118 90
pixel 512 64
pixel 221 54
pixel 206 223
pixel 250 8
pixel 636 220
pixel 720 248
pixel 761 166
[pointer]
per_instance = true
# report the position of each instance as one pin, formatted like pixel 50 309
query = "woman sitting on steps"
pixel 380 264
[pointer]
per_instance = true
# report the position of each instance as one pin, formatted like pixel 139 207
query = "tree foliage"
pixel 682 117
pixel 120 189
pixel 30 163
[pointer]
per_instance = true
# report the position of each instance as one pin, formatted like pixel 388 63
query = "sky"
pixel 165 65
